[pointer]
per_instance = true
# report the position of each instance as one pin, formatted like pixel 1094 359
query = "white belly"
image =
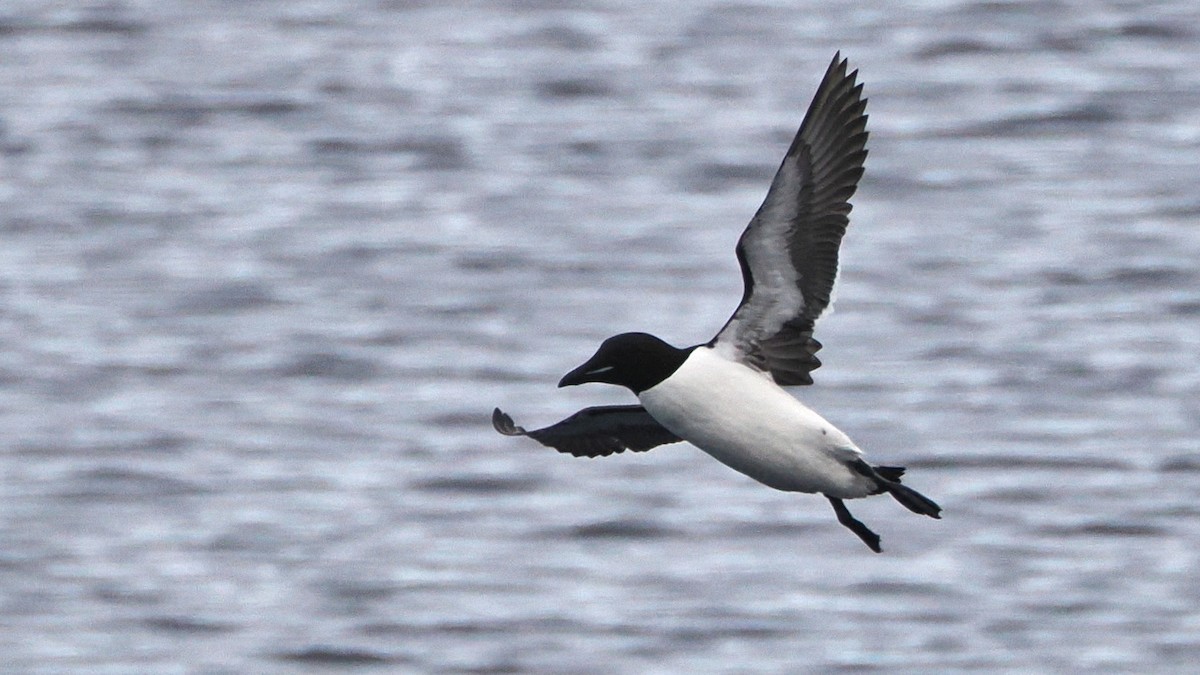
pixel 750 424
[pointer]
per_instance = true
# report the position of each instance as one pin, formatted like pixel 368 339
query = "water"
pixel 267 267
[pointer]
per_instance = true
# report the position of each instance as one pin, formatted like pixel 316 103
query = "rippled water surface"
pixel 267 267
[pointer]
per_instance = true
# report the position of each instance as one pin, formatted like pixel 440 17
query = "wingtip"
pixel 842 63
pixel 503 423
pixel 837 64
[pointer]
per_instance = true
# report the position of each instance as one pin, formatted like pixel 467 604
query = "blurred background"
pixel 267 267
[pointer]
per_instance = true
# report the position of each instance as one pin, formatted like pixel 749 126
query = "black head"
pixel 634 360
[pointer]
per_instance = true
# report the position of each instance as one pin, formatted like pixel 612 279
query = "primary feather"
pixel 789 251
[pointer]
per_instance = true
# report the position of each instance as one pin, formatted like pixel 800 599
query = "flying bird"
pixel 726 396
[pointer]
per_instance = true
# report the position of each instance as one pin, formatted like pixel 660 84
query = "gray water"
pixel 267 267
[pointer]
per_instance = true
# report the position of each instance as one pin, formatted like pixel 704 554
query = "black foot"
pixel 843 515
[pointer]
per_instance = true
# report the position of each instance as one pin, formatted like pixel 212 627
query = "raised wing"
pixel 789 252
pixel 595 432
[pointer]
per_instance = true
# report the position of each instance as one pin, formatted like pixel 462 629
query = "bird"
pixel 726 396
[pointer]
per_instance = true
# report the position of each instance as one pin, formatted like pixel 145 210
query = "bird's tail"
pixel 892 473
pixel 889 482
pixel 912 500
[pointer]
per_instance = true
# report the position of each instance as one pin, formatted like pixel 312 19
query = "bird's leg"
pixel 843 515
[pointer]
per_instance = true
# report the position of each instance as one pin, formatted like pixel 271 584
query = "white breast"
pixel 747 422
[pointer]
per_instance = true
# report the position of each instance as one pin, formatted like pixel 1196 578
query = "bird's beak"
pixel 588 372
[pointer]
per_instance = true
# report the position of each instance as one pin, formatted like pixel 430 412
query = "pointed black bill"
pixel 588 372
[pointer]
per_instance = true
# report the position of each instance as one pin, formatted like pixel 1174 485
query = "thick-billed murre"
pixel 725 396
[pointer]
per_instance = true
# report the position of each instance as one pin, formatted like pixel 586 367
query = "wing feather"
pixel 595 432
pixel 789 251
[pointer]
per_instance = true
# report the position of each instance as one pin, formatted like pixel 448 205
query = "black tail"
pixel 912 500
pixel 892 473
pixel 889 482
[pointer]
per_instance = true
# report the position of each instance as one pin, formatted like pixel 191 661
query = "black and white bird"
pixel 726 396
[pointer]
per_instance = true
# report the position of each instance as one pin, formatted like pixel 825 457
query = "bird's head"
pixel 637 361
